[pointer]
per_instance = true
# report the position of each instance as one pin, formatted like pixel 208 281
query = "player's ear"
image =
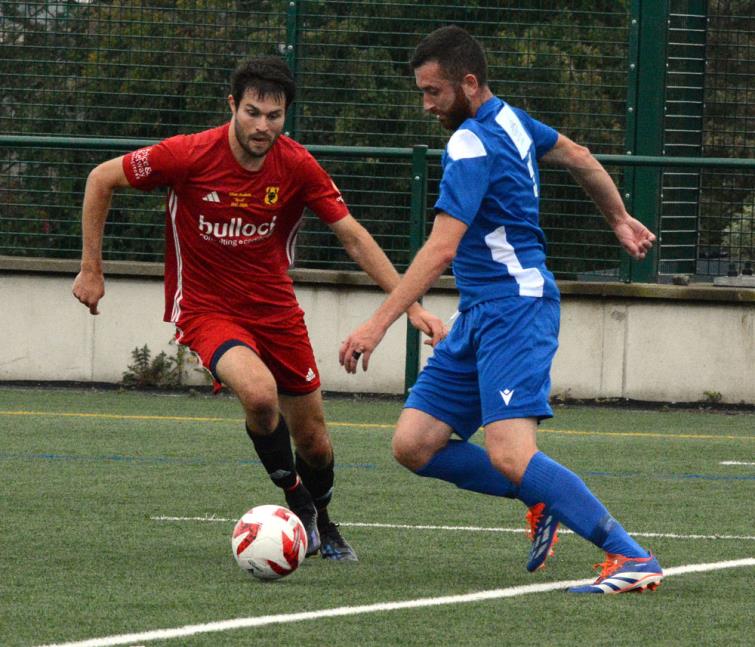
pixel 232 104
pixel 470 85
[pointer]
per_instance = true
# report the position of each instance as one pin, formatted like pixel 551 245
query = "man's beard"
pixel 241 139
pixel 460 111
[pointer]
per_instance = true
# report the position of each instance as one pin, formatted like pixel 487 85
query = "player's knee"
pixel 408 453
pixel 260 404
pixel 315 448
pixel 511 465
pixel 260 407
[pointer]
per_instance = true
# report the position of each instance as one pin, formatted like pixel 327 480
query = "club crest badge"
pixel 271 195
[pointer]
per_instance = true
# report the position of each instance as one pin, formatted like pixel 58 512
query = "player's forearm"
pixel 425 269
pixel 98 196
pixel 599 185
pixel 373 260
pixel 101 183
pixel 93 219
pixel 590 175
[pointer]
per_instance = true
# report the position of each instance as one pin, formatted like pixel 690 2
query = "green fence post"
pixel 645 121
pixel 683 135
pixel 631 124
pixel 416 238
pixel 292 48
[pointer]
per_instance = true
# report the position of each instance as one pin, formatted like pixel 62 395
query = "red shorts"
pixel 284 347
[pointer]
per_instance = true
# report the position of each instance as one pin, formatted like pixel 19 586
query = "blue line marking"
pixel 671 477
pixel 169 460
pixel 153 460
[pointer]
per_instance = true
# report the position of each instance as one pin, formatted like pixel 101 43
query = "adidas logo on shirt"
pixel 212 197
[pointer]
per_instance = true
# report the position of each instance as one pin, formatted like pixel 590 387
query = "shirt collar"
pixel 492 105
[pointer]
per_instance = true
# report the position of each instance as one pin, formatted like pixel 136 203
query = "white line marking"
pixel 735 463
pixel 260 621
pixel 398 526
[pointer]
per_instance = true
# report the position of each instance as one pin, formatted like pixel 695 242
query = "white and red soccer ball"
pixel 269 542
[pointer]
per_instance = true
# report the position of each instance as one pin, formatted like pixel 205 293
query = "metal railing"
pixel 411 211
pixel 42 181
pixel 660 79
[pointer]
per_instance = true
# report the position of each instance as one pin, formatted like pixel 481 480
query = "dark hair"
pixel 268 75
pixel 457 53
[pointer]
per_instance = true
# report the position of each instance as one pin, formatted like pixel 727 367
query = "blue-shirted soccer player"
pixel 493 368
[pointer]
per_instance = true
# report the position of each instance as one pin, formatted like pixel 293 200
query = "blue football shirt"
pixel 492 184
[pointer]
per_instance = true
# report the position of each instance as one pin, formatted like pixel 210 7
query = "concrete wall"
pixel 657 343
pixel 656 350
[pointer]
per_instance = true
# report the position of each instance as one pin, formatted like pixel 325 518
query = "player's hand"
pixel 360 344
pixel 634 237
pixel 429 324
pixel 89 288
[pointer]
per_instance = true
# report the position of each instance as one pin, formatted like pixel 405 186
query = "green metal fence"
pixel 660 78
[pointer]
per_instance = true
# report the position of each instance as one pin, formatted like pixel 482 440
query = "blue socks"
pixel 569 500
pixel 468 466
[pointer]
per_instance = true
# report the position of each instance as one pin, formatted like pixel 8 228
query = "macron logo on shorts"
pixel 506 395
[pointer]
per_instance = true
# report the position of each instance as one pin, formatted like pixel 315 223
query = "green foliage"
pixel 128 68
pixel 569 81
pixel 536 62
pixel 728 132
pixel 712 397
pixel 739 235
pixel 146 371
pixel 161 371
pixel 151 69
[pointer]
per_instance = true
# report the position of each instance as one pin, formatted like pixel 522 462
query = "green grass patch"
pixel 84 473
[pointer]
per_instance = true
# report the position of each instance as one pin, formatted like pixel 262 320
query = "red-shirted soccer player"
pixel 236 196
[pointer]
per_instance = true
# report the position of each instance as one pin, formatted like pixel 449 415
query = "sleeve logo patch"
pixel 140 163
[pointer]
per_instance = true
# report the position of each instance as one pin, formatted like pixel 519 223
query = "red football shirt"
pixel 230 232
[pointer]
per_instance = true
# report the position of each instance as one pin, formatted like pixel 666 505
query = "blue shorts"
pixel 493 365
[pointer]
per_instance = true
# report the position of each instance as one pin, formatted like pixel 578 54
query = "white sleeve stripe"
pixel 464 144
pixel 178 295
pixel 508 120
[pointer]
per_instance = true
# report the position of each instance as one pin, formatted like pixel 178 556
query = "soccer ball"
pixel 269 542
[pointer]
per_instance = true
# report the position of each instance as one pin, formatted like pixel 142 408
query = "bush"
pixel 161 371
pixel 739 236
